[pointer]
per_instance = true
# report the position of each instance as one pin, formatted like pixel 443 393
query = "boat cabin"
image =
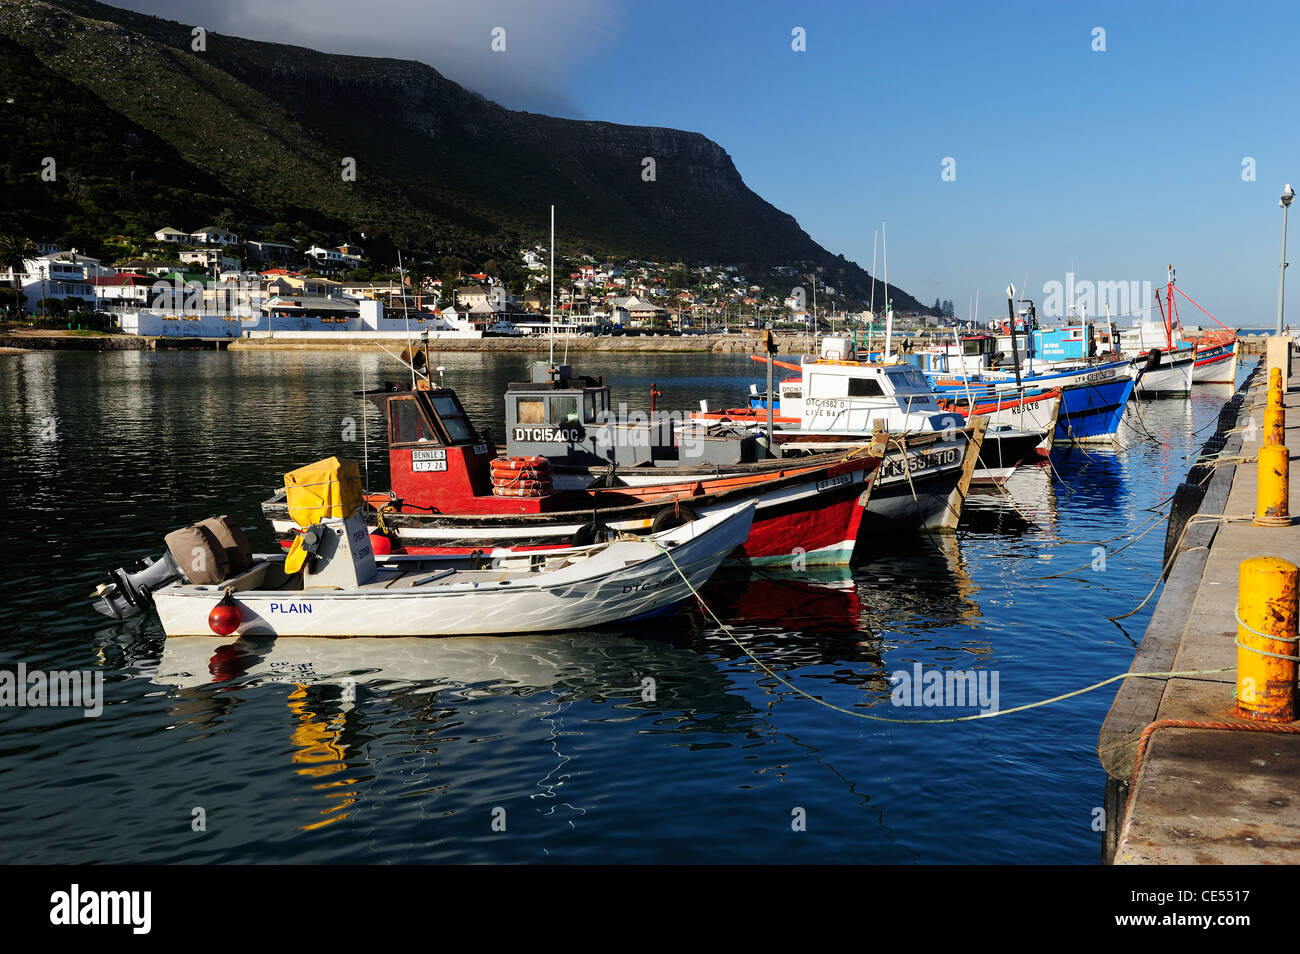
pixel 970 356
pixel 567 419
pixel 435 454
pixel 852 396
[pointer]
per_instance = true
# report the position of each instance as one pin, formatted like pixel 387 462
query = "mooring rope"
pixel 727 631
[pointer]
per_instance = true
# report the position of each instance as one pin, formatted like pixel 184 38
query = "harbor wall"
pixel 1205 490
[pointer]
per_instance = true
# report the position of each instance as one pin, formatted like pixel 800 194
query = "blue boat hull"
pixel 1092 411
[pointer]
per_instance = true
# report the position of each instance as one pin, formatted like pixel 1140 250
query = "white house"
pixel 327 256
pixel 123 290
pixel 60 275
pixel 632 312
pixel 209 257
pixel 213 235
pixel 169 234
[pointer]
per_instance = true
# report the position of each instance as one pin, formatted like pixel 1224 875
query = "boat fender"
pixel 225 617
pixel 671 517
pixel 594 532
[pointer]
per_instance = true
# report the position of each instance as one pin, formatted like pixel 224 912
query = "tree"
pixel 938 307
pixel 15 251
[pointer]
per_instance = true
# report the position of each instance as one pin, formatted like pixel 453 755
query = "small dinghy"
pixel 334 586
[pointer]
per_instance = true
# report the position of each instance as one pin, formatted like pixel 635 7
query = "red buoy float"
pixel 381 544
pixel 225 617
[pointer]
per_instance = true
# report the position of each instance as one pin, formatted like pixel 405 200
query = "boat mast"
pixel 871 322
pixel 1015 349
pixel 552 364
pixel 889 312
pixel 410 347
pixel 1169 321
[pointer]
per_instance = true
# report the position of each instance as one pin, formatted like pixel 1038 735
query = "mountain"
pixel 146 131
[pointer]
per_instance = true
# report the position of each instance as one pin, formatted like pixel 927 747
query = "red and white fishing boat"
pixel 1216 349
pixel 452 494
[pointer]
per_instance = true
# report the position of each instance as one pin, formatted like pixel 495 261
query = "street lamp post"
pixel 1287 195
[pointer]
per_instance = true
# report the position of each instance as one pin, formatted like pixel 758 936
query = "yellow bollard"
pixel 1266 623
pixel 1273 495
pixel 1275 411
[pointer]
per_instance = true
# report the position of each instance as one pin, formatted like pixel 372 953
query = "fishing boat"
pixel 920 482
pixel 452 494
pixel 1216 350
pixel 1217 353
pixel 332 584
pixel 1094 387
pixel 840 401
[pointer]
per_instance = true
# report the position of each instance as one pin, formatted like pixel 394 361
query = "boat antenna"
pixel 410 348
pixel 552 364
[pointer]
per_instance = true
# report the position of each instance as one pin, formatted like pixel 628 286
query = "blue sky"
pixel 1108 164
pixel 1112 163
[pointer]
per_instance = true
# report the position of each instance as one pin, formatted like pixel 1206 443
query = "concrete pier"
pixel 1202 794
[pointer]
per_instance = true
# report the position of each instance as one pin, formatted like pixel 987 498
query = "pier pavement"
pixel 1206 795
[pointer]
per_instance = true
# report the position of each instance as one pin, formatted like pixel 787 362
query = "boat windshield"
pixel 906 378
pixel 452 417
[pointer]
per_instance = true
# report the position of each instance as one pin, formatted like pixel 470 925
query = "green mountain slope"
pixel 261 130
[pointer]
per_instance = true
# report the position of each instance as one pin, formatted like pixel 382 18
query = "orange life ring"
pixel 523 484
pixel 521 463
pixel 510 476
pixel 519 492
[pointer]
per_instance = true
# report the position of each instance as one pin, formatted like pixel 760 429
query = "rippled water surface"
pixel 409 750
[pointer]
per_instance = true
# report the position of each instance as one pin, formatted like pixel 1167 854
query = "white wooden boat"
pixel 343 591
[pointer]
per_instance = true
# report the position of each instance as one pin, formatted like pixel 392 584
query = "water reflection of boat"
pixel 809 601
pixel 1027 502
pixel 926 586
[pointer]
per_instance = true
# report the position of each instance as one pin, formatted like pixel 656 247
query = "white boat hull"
pixel 1172 376
pixel 1217 365
pixel 626 579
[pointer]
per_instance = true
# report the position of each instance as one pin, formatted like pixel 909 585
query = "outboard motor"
pixel 1153 360
pixel 132 593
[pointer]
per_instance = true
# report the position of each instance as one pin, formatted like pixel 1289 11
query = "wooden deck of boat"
pixel 1206 795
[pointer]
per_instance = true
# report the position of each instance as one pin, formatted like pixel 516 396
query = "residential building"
pixel 272 251
pixel 209 258
pixel 469 296
pixel 214 235
pixel 174 236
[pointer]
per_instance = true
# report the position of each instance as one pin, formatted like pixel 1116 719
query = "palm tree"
pixel 15 251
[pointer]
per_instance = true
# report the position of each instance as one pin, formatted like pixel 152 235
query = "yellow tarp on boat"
pixel 327 488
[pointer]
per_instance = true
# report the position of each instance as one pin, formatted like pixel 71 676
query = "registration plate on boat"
pixel 428 460
pixel 830 482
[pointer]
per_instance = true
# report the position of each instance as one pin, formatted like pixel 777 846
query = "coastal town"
pixel 214 283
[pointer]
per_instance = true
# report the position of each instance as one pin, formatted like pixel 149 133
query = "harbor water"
pixel 666 741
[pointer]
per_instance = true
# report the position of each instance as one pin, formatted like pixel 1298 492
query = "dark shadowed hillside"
pixel 262 129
